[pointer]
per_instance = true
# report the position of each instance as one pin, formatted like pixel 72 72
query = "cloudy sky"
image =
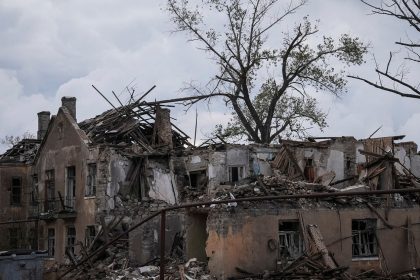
pixel 51 49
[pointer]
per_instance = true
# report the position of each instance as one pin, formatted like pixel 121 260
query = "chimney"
pixel 43 121
pixel 70 104
pixel 163 127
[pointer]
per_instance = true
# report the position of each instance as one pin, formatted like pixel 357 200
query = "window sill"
pixel 90 197
pixel 356 259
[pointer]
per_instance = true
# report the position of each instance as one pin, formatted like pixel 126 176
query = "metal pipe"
pixel 294 196
pixel 162 243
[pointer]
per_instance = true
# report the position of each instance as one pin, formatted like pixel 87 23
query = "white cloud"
pixel 54 48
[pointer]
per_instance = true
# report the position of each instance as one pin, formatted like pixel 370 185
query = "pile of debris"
pixel 175 269
pixel 312 267
pixel 280 185
pixel 131 124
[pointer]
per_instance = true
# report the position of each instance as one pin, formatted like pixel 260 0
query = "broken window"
pixel 90 234
pixel 198 179
pixel 290 240
pixel 70 186
pixel 32 240
pixel 50 187
pixel 34 191
pixel 51 242
pixel 71 238
pixel 348 163
pixel 364 238
pixel 309 170
pixel 91 180
pixel 236 173
pixel 16 191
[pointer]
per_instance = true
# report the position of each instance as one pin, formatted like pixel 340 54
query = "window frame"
pixel 50 189
pixel 91 184
pixel 71 238
pixel 16 192
pixel 90 234
pixel 290 235
pixel 364 241
pixel 241 172
pixel 51 242
pixel 70 186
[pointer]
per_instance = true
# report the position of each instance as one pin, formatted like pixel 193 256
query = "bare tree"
pixel 277 105
pixel 397 81
pixel 11 140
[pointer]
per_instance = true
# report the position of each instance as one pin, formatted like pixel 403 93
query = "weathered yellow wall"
pixel 240 239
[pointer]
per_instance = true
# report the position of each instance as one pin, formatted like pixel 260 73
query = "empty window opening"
pixel 364 238
pixel 290 240
pixel 16 191
pixel 32 239
pixel 348 163
pixel 70 187
pixel 50 187
pixel 198 179
pixel 236 173
pixel 34 191
pixel 309 170
pixel 51 242
pixel 15 236
pixel 91 180
pixel 71 238
pixel 90 234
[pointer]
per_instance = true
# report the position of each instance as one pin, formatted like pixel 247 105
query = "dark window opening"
pixel 290 240
pixel 32 239
pixel 34 191
pixel 91 180
pixel 309 170
pixel 90 234
pixel 70 186
pixel 16 191
pixel 364 242
pixel 71 238
pixel 236 173
pixel 51 242
pixel 348 163
pixel 15 235
pixel 50 187
pixel 198 179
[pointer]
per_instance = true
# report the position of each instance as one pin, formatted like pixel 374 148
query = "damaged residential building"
pixel 335 207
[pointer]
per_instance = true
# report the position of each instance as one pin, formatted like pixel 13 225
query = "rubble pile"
pixel 118 269
pixel 114 257
pixel 312 267
pixel 280 185
pixel 175 269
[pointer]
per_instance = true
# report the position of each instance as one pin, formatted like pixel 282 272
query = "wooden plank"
pixel 319 246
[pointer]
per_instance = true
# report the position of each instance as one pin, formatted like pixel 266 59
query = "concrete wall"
pixel 409 158
pixel 21 267
pixel 10 212
pixel 144 242
pixel 65 146
pixel 240 239
pixel 161 180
